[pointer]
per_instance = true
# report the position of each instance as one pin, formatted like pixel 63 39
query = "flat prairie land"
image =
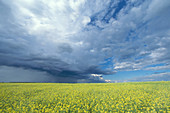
pixel 131 97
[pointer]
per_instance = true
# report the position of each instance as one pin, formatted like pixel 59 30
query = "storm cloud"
pixel 70 40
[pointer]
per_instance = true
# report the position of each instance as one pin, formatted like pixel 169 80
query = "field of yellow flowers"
pixel 85 98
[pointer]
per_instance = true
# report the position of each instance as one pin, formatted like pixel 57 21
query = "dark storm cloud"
pixel 71 40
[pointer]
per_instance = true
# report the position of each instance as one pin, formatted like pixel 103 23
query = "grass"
pixel 100 98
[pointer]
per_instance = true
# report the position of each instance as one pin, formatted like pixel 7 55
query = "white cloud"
pixel 165 76
pixel 86 20
pixel 166 67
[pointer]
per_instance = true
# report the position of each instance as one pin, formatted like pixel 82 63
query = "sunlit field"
pixel 96 98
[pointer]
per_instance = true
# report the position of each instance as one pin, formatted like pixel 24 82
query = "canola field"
pixel 137 97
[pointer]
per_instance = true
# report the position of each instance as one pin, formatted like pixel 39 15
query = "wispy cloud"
pixel 165 76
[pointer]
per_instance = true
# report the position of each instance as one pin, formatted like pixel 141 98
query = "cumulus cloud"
pixel 73 39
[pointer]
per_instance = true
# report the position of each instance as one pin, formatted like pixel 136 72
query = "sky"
pixel 79 41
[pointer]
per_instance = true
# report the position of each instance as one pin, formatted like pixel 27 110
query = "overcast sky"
pixel 84 40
